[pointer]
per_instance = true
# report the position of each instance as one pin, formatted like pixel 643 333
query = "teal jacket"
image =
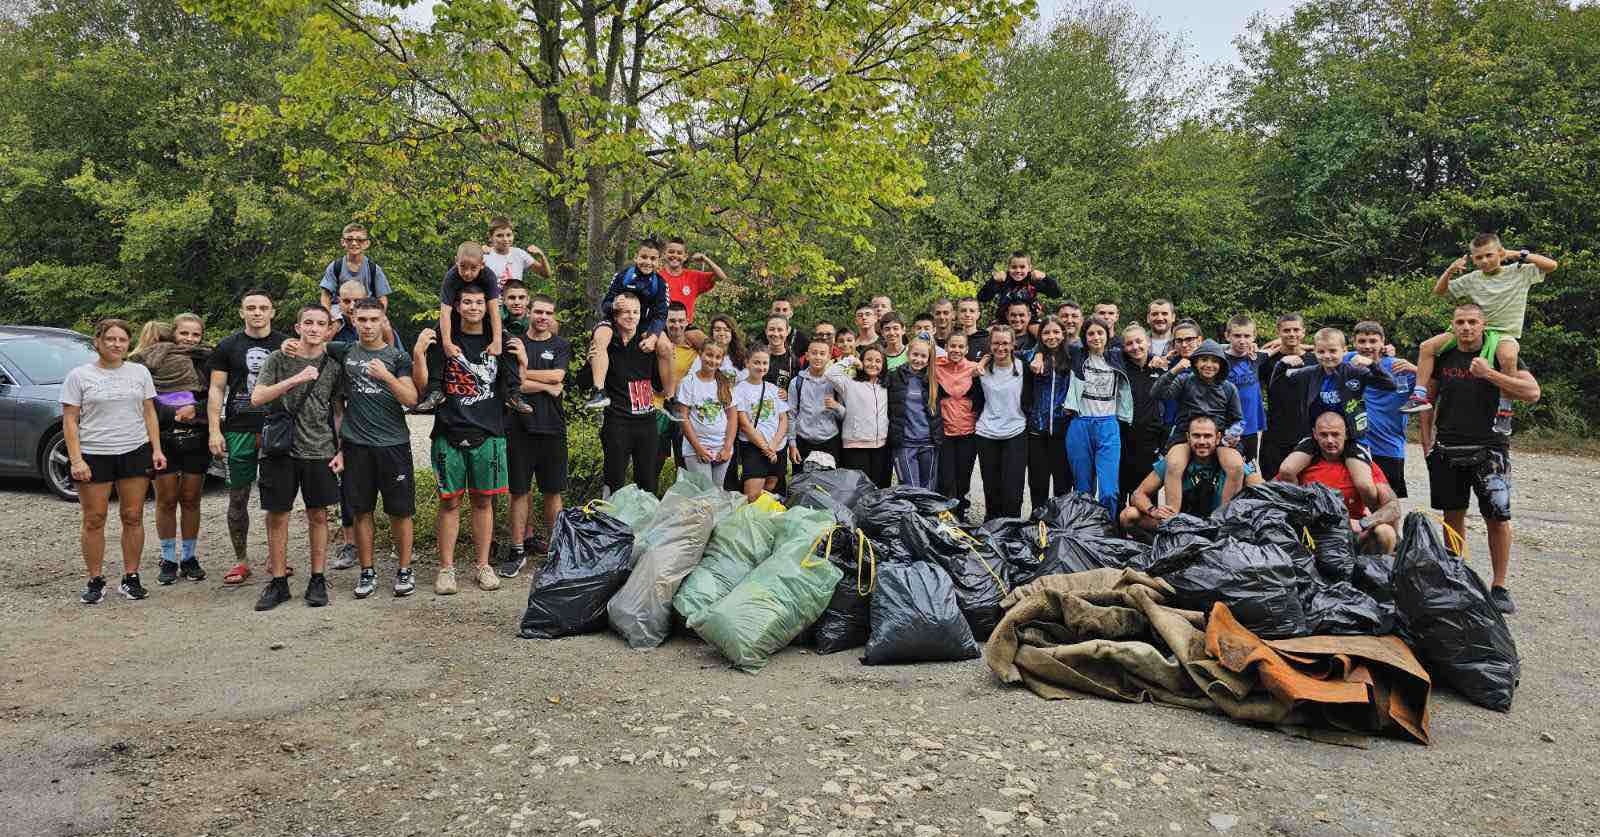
pixel 1073 403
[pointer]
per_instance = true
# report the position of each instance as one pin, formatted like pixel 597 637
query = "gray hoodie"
pixel 811 421
pixel 866 406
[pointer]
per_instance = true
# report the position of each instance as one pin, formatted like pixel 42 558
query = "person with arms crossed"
pixel 306 383
pixel 234 423
pixel 536 442
pixel 1466 455
pixel 108 418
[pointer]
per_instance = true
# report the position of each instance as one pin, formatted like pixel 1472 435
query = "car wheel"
pixel 56 468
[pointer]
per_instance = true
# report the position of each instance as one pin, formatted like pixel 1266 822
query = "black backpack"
pixel 367 276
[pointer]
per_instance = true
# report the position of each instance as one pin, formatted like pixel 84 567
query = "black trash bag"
pixel 1303 505
pixel 880 512
pixel 1077 512
pixel 1459 634
pixel 835 490
pixel 1177 534
pixel 1374 575
pixel 1019 543
pixel 1260 584
pixel 1076 552
pixel 1336 551
pixel 591 555
pixel 1258 521
pixel 915 617
pixel 977 572
pixel 845 623
pixel 1342 609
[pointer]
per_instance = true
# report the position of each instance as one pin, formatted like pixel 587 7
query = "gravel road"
pixel 190 714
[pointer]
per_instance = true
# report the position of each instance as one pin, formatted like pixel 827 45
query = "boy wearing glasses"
pixel 355 266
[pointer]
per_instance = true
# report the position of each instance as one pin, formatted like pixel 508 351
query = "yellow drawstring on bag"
pixel 866 556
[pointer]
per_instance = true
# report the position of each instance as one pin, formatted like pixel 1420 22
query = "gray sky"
pixel 1209 26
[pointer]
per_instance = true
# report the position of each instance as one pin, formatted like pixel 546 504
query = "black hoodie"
pixel 1197 397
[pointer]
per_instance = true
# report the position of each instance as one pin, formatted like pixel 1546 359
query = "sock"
pixel 518 548
pixel 169 550
pixel 1505 405
pixel 315 576
pixel 188 548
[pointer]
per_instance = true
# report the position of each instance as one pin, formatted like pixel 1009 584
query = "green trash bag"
pixel 737 545
pixel 631 505
pixel 681 496
pixel 778 599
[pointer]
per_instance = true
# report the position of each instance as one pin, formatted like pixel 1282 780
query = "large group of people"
pixel 1152 419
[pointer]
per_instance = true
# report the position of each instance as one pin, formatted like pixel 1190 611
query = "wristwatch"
pixel 1522 255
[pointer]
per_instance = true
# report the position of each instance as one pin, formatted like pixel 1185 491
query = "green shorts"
pixel 481 470
pixel 243 450
pixel 1491 342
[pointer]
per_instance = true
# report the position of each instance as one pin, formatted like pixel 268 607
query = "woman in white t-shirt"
pixel 113 440
pixel 705 403
pixel 763 427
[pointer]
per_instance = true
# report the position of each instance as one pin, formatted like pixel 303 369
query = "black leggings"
pixel 626 440
pixel 1003 463
pixel 957 454
pixel 1047 460
pixel 874 462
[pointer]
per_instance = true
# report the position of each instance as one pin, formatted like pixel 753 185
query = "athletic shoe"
pixel 167 572
pixel 513 564
pixel 1502 422
pixel 1417 404
pixel 598 402
pixel 444 582
pixel 367 583
pixel 487 580
pixel 344 558
pixel 95 591
pixel 516 403
pixel 132 588
pixel 317 591
pixel 191 569
pixel 1502 600
pixel 405 583
pixel 429 402
pixel 275 593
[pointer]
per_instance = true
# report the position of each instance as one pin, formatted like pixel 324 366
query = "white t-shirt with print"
pixel 110 406
pixel 510 266
pixel 764 402
pixel 708 415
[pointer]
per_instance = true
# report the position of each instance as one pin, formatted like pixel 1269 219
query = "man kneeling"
pixel 1202 486
pixel 1375 530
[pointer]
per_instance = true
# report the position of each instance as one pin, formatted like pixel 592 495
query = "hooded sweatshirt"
pixel 1218 399
pixel 866 406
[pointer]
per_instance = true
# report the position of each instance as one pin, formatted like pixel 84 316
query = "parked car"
pixel 33 362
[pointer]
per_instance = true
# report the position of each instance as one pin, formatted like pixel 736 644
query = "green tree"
pixel 118 195
pixel 766 129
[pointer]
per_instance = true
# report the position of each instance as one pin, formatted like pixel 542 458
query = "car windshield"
pixel 47 359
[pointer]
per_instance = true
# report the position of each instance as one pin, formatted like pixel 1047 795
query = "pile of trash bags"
pixel 842 565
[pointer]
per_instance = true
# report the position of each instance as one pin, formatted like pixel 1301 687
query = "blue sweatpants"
pixel 916 465
pixel 1094 446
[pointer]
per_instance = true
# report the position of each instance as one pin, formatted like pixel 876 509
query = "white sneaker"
pixel 444 584
pixel 487 578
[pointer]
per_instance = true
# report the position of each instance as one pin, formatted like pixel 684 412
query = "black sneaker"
pixel 516 403
pixel 190 569
pixel 317 591
pixel 167 572
pixel 429 402
pixel 132 588
pixel 405 583
pixel 513 564
pixel 598 402
pixel 367 583
pixel 275 593
pixel 1502 600
pixel 95 591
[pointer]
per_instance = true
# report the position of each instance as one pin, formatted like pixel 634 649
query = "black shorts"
pixel 282 477
pixel 111 467
pixel 1454 474
pixel 1352 450
pixel 536 455
pixel 753 464
pixel 186 454
pixel 1394 469
pixel 373 471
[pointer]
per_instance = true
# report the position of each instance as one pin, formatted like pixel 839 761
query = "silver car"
pixel 33 362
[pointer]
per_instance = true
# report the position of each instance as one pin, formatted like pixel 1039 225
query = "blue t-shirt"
pixel 1246 378
pixel 1202 484
pixel 1386 425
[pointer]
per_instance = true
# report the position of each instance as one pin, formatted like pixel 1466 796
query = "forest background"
pixel 158 157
